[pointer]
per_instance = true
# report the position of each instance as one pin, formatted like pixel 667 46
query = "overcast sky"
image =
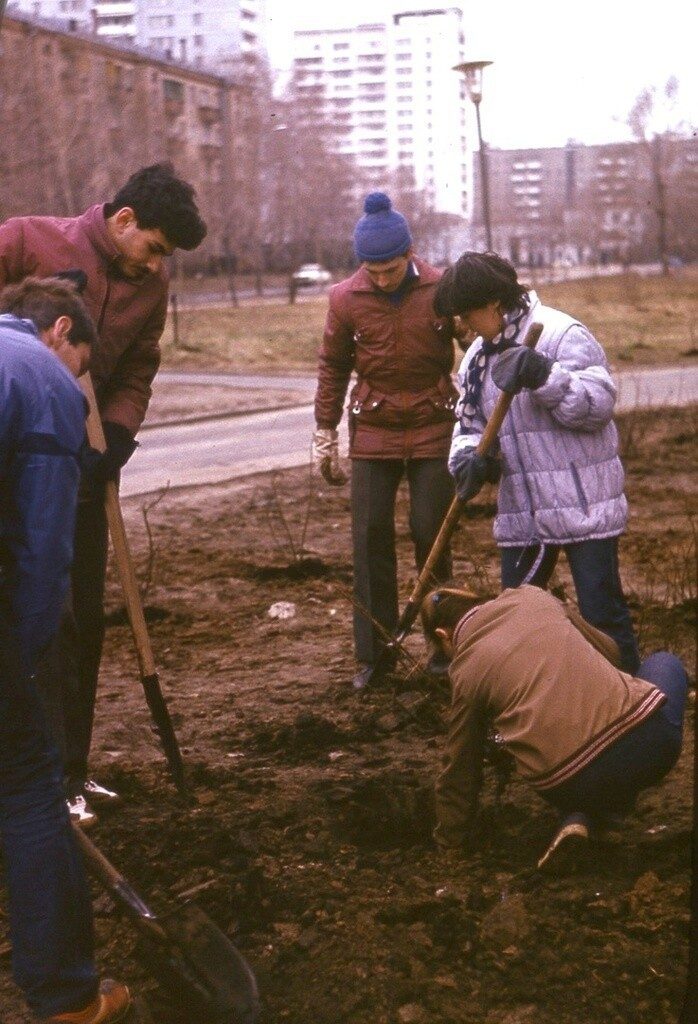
pixel 562 70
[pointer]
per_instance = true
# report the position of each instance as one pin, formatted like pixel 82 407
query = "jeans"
pixel 594 568
pixel 374 484
pixel 50 913
pixel 641 758
pixel 69 671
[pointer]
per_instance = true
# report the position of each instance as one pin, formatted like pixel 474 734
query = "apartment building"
pixel 89 112
pixel 385 94
pixel 605 202
pixel 220 34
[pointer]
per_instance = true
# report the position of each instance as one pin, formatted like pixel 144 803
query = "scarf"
pixel 475 374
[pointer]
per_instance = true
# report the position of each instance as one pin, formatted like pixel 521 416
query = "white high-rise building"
pixel 217 33
pixel 213 33
pixel 389 97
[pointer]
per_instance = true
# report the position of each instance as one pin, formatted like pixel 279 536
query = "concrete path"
pixel 230 448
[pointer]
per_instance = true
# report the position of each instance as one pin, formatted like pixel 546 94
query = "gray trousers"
pixel 374 484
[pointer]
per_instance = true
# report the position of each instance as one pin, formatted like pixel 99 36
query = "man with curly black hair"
pixel 116 253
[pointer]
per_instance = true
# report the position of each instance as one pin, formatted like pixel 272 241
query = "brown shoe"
pixel 111 1005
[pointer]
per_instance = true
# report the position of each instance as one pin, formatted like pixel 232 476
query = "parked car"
pixel 311 273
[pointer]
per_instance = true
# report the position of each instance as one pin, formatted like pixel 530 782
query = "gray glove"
pixel 471 472
pixel 326 456
pixel 520 367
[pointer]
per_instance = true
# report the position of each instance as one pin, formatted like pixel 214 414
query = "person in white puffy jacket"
pixel 560 475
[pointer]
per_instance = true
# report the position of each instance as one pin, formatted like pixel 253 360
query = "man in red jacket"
pixel 116 252
pixel 381 324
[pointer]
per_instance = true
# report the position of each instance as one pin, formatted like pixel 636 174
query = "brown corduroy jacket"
pixel 541 675
pixel 129 314
pixel 402 404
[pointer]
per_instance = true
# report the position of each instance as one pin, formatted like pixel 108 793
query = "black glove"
pixel 520 367
pixel 471 471
pixel 99 467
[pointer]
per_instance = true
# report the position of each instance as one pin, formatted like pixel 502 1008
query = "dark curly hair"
pixel 161 200
pixel 477 279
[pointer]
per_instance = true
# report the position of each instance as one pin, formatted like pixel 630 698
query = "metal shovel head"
pixel 213 972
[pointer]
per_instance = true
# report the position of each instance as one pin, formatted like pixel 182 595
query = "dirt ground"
pixel 310 840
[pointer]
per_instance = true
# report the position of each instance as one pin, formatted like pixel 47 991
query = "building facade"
pixel 220 34
pixel 386 95
pixel 80 114
pixel 616 202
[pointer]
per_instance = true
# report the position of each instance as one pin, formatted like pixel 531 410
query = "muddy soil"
pixel 310 840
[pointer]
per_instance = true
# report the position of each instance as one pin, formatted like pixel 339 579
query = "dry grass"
pixel 257 336
pixel 641 321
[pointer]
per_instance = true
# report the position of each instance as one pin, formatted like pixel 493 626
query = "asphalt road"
pixel 234 447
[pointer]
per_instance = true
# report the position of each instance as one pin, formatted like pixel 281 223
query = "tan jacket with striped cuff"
pixel 540 675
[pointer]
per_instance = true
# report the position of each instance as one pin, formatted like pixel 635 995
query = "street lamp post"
pixel 472 71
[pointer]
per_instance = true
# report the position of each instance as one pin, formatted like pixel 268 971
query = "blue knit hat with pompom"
pixel 382 233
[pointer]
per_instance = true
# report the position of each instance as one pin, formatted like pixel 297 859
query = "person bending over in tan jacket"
pixel 587 736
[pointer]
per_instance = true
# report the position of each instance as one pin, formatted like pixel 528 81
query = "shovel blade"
pixel 209 967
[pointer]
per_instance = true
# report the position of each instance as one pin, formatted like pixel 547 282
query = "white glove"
pixel 326 456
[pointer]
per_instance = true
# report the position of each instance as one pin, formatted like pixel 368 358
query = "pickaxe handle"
pixel 134 605
pixel 450 522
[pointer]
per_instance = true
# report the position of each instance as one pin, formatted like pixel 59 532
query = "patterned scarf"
pixel 475 375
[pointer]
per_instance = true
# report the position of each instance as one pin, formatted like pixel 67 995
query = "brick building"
pixel 80 114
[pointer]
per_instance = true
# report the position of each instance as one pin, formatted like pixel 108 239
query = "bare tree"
pixel 651 120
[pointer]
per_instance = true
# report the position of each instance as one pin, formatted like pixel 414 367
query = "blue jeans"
pixel 641 758
pixel 50 913
pixel 594 568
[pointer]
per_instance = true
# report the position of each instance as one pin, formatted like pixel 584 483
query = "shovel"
pixel 186 951
pixel 134 605
pixel 424 580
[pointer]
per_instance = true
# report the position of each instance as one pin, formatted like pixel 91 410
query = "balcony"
pixel 110 10
pixel 209 114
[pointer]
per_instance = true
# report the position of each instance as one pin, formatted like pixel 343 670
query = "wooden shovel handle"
pixel 488 438
pixel 117 531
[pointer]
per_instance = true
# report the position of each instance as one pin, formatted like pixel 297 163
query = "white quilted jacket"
pixel 562 478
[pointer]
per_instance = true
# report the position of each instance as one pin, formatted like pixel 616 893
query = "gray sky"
pixel 562 70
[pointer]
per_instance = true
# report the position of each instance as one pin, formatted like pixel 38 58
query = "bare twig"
pixel 147 574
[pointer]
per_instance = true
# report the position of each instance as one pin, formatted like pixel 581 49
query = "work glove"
pixel 520 367
pixel 471 472
pixel 98 467
pixel 326 456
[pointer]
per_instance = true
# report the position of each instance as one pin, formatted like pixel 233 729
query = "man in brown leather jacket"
pixel 115 252
pixel 381 324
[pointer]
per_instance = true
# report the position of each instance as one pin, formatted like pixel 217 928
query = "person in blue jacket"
pixel 45 339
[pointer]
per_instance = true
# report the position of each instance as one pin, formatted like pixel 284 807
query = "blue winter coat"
pixel 562 479
pixel 42 427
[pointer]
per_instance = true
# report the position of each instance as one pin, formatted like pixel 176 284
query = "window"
pixel 197 18
pixel 173 90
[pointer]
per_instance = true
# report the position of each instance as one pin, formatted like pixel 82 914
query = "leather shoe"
pixel 111 1004
pixel 365 674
